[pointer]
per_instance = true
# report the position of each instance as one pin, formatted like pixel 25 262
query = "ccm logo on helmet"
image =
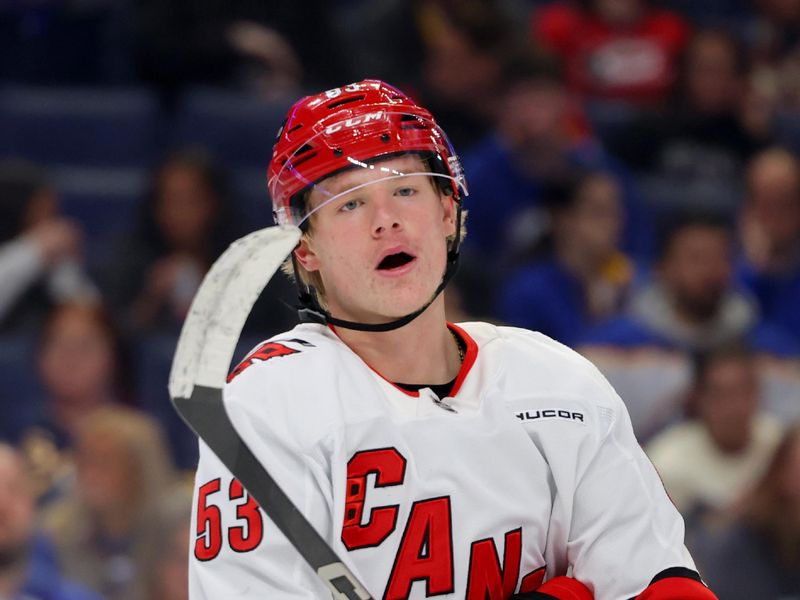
pixel 376 116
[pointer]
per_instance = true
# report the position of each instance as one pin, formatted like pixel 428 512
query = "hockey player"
pixel 468 461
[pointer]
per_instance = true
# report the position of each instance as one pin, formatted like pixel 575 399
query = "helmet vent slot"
pixel 302 155
pixel 345 101
pixel 412 122
pixel 300 160
pixel 295 128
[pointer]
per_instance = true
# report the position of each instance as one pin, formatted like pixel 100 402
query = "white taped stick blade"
pixel 221 307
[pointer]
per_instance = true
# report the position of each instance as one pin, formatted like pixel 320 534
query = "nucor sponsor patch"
pixel 549 413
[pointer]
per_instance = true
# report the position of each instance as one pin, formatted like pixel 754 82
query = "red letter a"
pixel 426 551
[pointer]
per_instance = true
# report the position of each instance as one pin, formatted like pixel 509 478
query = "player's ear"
pixel 449 214
pixel 305 255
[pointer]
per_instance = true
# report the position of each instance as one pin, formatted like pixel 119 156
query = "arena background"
pixel 634 193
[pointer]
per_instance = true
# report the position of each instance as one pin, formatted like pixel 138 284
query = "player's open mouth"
pixel 395 261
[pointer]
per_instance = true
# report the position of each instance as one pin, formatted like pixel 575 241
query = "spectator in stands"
pixel 539 141
pixel 40 252
pixel 187 221
pixel 583 277
pixel 698 147
pixel 275 71
pixel 28 570
pixel 769 264
pixel 171 566
pixel 622 50
pixel 109 528
pixel 464 45
pixel 709 461
pixel 774 48
pixel 691 306
pixel 220 42
pixel 692 302
pixel 82 366
pixel 757 554
pixel 81 363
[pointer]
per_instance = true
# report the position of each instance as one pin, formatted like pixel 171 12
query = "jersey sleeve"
pixel 625 531
pixel 236 551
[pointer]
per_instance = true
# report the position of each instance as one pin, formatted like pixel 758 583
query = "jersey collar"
pixel 470 356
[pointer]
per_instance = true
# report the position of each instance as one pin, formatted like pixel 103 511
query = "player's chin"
pixel 405 300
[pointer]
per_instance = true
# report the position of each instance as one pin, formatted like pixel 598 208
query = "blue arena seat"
pixel 84 126
pixel 254 204
pixel 105 201
pixel 238 128
pixel 153 358
pixel 20 391
pixel 667 194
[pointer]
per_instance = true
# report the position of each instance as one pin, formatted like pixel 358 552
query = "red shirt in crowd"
pixel 637 63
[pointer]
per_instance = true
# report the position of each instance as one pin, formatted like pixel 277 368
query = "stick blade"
pixel 221 306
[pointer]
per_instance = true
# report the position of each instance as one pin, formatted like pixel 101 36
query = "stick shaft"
pixel 202 358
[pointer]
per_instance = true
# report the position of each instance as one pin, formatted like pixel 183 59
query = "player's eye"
pixel 350 205
pixel 405 191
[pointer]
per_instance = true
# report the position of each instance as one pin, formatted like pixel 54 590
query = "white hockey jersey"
pixel 530 468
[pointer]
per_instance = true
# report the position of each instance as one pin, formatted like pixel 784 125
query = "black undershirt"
pixel 442 390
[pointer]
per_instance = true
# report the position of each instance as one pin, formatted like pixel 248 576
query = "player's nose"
pixel 385 217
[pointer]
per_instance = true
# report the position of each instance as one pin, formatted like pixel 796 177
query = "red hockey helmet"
pixel 350 127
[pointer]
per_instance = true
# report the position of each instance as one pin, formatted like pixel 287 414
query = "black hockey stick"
pixel 199 368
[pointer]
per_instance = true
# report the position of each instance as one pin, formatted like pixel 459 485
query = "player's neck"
pixel 422 352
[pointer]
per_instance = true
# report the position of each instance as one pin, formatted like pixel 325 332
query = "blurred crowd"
pixel 634 178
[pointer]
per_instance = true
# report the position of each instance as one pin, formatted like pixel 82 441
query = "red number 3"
pixel 245 539
pixel 241 538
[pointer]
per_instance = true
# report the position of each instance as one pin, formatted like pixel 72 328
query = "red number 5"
pixel 241 538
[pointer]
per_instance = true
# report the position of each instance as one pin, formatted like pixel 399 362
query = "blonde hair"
pixel 143 440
